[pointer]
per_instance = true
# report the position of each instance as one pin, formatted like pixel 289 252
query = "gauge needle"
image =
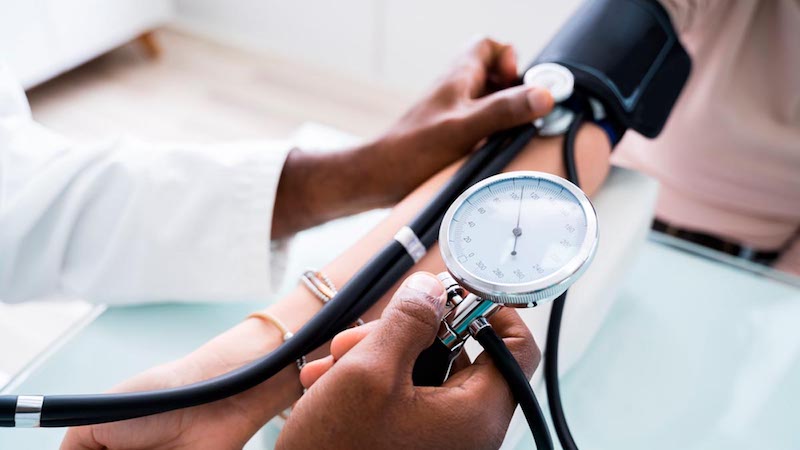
pixel 517 231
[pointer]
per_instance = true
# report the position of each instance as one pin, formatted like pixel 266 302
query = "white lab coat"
pixel 127 221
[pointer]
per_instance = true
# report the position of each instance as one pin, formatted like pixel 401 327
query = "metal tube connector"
pixel 28 413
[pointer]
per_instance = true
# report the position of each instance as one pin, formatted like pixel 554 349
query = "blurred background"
pixel 393 43
pixel 323 73
pixel 352 64
pixel 695 342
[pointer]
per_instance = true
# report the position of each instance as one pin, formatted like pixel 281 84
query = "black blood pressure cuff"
pixel 624 54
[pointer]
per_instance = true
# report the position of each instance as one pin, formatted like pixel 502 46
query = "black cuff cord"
pixel 518 383
pixel 554 324
pixel 508 366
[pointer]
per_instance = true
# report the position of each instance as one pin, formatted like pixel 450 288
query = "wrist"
pixel 249 340
pixel 376 173
pixel 265 337
pixel 317 187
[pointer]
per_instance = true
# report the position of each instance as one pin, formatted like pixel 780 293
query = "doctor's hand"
pixel 477 97
pixel 362 395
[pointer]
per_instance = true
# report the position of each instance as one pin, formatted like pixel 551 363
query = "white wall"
pixel 403 44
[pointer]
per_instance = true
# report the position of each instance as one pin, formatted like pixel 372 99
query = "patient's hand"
pixel 218 425
pixel 476 98
pixel 362 395
pixel 224 424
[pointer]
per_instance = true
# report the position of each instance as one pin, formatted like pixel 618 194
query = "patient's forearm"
pixel 254 338
pixel 543 154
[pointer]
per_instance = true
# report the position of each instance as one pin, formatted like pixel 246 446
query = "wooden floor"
pixel 194 90
pixel 200 90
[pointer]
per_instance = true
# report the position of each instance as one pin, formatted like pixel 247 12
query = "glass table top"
pixel 699 352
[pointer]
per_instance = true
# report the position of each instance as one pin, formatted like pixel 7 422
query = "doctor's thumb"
pixel 509 108
pixel 410 322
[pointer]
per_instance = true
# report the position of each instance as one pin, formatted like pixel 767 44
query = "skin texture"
pixel 231 422
pixel 370 384
pixel 473 100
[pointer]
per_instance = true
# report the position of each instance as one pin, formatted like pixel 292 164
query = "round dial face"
pixel 520 230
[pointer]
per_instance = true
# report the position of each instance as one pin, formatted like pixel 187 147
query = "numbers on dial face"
pixel 517 230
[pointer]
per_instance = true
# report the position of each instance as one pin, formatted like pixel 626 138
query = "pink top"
pixel 729 158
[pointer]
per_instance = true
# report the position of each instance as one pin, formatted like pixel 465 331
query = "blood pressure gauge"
pixel 516 239
pixel 520 238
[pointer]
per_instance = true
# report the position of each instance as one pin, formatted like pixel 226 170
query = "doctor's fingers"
pixel 479 391
pixel 482 380
pixel 486 62
pixel 507 108
pixel 390 348
pixel 341 344
pixel 407 326
pixel 518 338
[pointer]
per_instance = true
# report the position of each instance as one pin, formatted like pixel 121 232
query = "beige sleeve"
pixel 790 258
pixel 687 13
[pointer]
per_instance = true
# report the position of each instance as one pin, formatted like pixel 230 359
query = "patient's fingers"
pixel 314 370
pixel 80 438
pixel 347 339
pixel 341 344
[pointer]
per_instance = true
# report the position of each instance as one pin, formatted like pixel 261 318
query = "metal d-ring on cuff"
pixel 28 413
pixel 409 240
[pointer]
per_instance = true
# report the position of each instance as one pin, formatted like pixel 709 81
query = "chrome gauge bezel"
pixel 530 293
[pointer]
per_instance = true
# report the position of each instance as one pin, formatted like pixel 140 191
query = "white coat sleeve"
pixel 128 222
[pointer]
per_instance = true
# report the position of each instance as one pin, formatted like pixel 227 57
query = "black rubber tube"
pixel 432 215
pixel 462 179
pixel 8 406
pixel 75 410
pixel 519 384
pixel 556 313
pixel 361 292
pixel 503 159
pixel 433 365
pixel 379 287
pixel 551 375
pixel 367 285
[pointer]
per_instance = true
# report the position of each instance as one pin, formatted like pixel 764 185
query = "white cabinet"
pixel 41 38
